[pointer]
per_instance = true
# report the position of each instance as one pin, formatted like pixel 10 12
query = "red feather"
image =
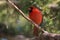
pixel 36 16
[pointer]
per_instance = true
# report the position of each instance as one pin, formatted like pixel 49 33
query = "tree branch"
pixel 45 35
pixel 25 16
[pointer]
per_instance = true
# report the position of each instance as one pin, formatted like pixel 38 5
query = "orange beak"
pixel 29 9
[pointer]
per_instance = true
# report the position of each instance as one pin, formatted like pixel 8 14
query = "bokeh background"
pixel 12 23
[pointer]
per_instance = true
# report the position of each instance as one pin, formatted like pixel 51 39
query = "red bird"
pixel 35 15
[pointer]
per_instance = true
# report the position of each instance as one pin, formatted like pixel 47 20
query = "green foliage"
pixel 11 17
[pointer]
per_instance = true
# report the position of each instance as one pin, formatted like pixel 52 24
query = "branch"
pixel 25 16
pixel 49 36
pixel 45 35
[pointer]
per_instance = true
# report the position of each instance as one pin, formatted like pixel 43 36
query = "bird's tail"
pixel 35 31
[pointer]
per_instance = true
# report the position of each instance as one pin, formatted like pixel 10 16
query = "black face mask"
pixel 30 9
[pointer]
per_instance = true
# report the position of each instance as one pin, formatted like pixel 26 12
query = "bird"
pixel 36 16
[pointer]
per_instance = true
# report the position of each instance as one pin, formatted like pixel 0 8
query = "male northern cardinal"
pixel 35 15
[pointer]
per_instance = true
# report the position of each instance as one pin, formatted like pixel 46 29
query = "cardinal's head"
pixel 30 8
pixel 33 7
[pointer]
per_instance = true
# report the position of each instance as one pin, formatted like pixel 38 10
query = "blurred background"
pixel 12 23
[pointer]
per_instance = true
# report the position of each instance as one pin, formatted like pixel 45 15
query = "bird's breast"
pixel 36 17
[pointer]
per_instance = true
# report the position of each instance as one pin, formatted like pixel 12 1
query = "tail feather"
pixel 35 31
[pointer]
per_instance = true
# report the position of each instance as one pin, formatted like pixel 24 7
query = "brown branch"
pixel 45 35
pixel 25 16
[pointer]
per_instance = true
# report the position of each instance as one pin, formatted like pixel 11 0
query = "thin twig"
pixel 25 16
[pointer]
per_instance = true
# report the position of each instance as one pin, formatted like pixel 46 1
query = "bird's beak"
pixel 29 9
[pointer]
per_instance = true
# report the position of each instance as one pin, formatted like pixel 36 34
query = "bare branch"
pixel 45 35
pixel 26 16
